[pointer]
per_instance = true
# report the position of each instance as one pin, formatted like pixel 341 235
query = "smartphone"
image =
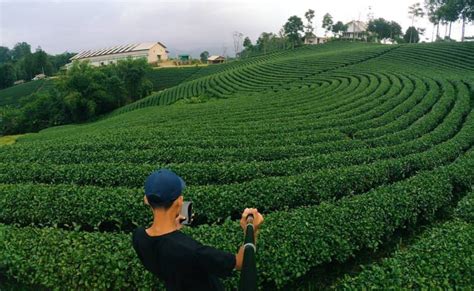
pixel 187 211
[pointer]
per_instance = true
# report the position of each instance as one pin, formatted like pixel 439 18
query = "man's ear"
pixel 145 200
pixel 178 202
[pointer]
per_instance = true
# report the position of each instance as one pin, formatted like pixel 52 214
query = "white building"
pixel 215 60
pixel 39 77
pixel 153 52
pixel 313 39
pixel 355 30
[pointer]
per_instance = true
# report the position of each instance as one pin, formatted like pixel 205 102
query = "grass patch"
pixel 9 139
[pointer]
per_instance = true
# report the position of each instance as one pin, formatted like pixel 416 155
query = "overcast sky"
pixel 184 26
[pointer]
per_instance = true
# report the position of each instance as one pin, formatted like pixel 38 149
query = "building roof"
pixel 356 26
pixel 213 58
pixel 116 50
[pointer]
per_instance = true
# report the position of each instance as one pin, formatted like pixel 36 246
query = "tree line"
pixel 295 30
pixel 79 94
pixel 20 63
pixel 446 12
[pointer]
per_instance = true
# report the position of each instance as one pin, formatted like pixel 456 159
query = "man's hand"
pixel 257 221
pixel 180 218
pixel 257 218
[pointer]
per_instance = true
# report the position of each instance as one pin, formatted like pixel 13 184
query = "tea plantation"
pixel 12 95
pixel 163 78
pixel 341 146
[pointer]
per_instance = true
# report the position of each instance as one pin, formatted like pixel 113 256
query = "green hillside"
pixel 341 146
pixel 12 95
pixel 163 78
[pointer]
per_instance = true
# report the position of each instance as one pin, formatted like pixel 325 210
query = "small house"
pixel 313 39
pixel 184 58
pixel 215 60
pixel 39 77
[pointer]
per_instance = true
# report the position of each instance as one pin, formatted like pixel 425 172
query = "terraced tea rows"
pixel 12 95
pixel 168 77
pixel 336 148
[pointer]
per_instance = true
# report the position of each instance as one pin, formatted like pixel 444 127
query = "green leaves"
pixel 441 258
pixel 340 146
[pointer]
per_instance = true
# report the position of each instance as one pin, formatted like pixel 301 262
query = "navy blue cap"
pixel 163 186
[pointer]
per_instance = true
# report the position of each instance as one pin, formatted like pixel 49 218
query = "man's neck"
pixel 163 223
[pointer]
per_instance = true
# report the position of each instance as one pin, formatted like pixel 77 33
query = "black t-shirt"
pixel 181 262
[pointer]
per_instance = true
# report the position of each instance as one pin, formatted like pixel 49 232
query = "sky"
pixel 184 26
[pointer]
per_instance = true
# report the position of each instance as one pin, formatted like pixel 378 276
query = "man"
pixel 177 259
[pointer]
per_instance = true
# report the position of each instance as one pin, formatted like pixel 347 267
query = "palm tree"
pixel 433 17
pixel 415 10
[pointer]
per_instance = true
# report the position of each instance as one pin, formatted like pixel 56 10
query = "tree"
pixel 247 43
pixel 20 50
pixel 292 29
pixel 282 40
pixel 448 12
pixel 327 22
pixel 25 67
pixel 248 47
pixel 395 30
pixel 41 63
pixel 433 15
pixel 465 9
pixel 7 75
pixel 203 56
pixel 414 11
pixel 237 36
pixel 411 35
pixel 339 27
pixel 380 27
pixel 133 73
pixel 384 29
pixel 58 61
pixel 4 54
pixel 265 42
pixel 309 15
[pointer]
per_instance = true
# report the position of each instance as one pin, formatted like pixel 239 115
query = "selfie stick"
pixel 248 274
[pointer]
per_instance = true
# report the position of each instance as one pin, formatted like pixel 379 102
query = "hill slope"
pixel 340 146
pixel 12 95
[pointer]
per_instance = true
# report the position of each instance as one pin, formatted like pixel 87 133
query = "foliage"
pixel 465 208
pixel 26 64
pixel 82 93
pixel 204 55
pixel 247 43
pixel 411 35
pixel 327 22
pixel 384 29
pixel 18 94
pixel 266 42
pixel 441 259
pixel 379 213
pixel 339 27
pixel 20 50
pixel 7 75
pixel 449 11
pixel 342 146
pixel 4 54
pixel 309 15
pixel 293 27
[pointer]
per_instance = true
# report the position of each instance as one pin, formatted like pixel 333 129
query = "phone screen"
pixel 187 211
